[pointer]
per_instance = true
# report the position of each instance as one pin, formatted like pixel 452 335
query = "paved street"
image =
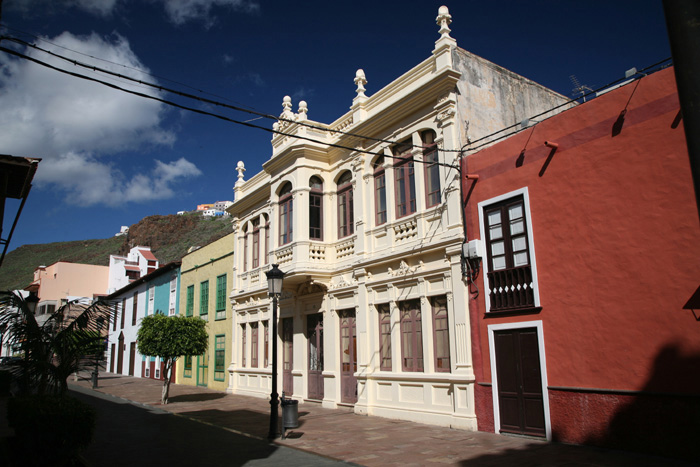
pixel 209 428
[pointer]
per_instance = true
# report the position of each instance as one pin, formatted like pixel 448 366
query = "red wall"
pixel 617 245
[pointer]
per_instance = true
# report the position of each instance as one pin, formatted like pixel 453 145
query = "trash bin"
pixel 290 413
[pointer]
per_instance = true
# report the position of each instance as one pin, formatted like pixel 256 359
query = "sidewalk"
pixel 371 441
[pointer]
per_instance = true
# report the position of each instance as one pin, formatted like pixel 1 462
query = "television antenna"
pixel 579 88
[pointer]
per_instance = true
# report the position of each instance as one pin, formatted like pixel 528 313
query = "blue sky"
pixel 109 158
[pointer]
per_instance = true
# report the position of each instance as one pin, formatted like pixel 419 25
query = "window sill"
pixel 513 312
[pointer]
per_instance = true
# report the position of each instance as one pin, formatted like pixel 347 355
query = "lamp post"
pixel 96 372
pixel 274 286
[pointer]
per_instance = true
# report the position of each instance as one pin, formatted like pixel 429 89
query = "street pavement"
pixel 204 427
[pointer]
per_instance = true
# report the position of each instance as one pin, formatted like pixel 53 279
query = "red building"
pixel 581 332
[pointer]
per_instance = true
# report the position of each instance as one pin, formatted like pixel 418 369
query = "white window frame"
pixel 492 328
pixel 531 239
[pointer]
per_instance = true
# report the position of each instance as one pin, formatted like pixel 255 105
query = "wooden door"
pixel 287 355
pixel 315 335
pixel 111 358
pixel 520 392
pixel 132 358
pixel 120 353
pixel 203 369
pixel 348 356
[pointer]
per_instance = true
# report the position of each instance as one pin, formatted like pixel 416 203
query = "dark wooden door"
pixel 315 335
pixel 348 357
pixel 111 358
pixel 520 393
pixel 132 358
pixel 287 355
pixel 120 353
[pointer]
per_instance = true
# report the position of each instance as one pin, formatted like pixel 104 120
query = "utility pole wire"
pixel 202 99
pixel 211 114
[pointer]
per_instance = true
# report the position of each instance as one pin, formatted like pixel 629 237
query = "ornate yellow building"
pixel 363 215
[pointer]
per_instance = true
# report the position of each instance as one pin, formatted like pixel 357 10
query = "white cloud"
pixel 181 11
pixel 77 127
pixel 87 181
pixel 103 8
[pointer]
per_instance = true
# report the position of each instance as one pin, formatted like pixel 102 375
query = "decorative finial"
pixel 443 20
pixel 303 109
pixel 360 81
pixel 286 105
pixel 240 168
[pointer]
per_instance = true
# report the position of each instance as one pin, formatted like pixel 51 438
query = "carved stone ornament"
pixel 404 269
pixel 443 20
pixel 360 81
pixel 310 287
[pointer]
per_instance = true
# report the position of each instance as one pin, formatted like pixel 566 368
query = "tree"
pixel 169 338
pixel 54 349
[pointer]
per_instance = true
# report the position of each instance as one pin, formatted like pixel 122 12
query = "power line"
pixel 201 99
pixel 211 114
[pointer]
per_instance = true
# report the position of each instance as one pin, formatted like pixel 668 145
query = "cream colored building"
pixel 205 282
pixel 363 215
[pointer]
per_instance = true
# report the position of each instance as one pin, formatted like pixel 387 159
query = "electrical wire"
pixel 211 114
pixel 201 99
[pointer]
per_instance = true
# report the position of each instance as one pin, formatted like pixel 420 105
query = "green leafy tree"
pixel 170 337
pixel 56 348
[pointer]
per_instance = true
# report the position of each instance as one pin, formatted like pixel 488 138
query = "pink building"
pixel 63 281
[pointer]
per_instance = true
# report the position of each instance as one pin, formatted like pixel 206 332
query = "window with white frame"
pixel 346 221
pixel 511 278
pixel 255 253
pixel 286 208
pixel 405 182
pixel 432 169
pixel 316 208
pixel 379 191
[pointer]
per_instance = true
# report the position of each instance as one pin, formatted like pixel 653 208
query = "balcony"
pixel 511 289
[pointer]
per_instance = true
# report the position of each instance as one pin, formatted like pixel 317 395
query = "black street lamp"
pixel 274 285
pixel 96 372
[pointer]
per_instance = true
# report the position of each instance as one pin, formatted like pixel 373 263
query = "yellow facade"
pixel 206 274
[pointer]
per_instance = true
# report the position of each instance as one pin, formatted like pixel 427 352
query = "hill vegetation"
pixel 168 236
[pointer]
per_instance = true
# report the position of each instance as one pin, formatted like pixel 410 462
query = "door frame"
pixel 318 374
pixel 492 329
pixel 348 380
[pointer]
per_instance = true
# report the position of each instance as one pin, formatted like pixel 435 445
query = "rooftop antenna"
pixel 579 88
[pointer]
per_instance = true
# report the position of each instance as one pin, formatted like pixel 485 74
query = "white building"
pixel 126 269
pixel 368 230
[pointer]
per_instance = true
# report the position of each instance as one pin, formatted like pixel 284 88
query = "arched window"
pixel 379 191
pixel 245 247
pixel 256 242
pixel 266 255
pixel 286 211
pixel 405 179
pixel 316 208
pixel 432 169
pixel 346 222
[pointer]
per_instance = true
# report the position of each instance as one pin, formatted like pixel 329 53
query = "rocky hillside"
pixel 168 236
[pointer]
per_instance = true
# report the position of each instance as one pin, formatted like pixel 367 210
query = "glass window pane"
pixel 499 262
pixel 517 227
pixel 497 248
pixel 519 244
pixel 515 212
pixel 520 259
pixel 494 218
pixel 496 232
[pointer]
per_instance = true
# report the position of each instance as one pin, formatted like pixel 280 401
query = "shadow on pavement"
pixel 127 434
pixel 204 396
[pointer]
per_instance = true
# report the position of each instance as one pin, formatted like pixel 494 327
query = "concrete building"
pixel 584 329
pixel 156 292
pixel 206 280
pixel 126 269
pixel 61 282
pixel 368 230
